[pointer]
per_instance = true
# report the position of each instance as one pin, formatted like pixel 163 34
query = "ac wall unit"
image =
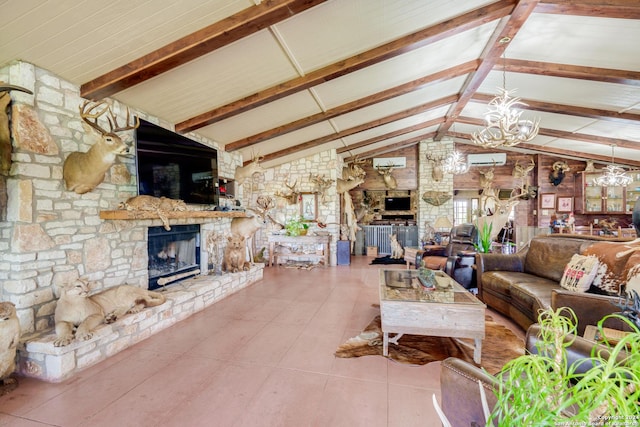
pixel 390 162
pixel 487 159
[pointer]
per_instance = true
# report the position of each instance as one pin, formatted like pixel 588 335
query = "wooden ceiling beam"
pixel 194 45
pixel 360 128
pixel 390 135
pixel 441 31
pixel 391 147
pixel 571 110
pixel 504 33
pixel 554 133
pixel 607 75
pixel 622 9
pixel 450 73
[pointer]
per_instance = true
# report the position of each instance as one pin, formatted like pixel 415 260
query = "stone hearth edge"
pixel 38 358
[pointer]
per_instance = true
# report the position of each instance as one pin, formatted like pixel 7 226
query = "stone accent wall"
pixel 52 236
pixel 327 164
pixel 427 212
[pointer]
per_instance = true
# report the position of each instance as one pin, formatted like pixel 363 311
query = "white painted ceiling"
pixel 583 111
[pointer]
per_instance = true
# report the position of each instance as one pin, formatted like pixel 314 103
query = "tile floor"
pixel 262 357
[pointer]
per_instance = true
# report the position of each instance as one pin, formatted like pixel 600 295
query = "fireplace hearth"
pixel 174 255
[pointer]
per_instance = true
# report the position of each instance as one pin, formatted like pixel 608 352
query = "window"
pixel 463 209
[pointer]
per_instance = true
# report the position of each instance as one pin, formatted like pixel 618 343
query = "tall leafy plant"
pixel 544 389
pixel 484 237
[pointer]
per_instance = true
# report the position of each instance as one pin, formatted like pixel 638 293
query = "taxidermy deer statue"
pixel 247 227
pixel 82 172
pixel 243 173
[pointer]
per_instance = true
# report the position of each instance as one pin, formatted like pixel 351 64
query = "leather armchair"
pixel 460 394
pixel 589 308
pixel 457 257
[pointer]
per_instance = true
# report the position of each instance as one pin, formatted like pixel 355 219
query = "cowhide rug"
pixel 498 347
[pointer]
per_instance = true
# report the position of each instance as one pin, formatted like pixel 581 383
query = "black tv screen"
pixel 397 203
pixel 174 166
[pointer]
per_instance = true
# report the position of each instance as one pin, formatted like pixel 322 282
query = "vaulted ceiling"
pixel 288 78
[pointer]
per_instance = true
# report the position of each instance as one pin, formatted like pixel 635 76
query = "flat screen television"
pixel 174 166
pixel 397 203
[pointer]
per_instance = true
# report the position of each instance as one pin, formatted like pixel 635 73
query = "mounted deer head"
pixel 486 178
pixel 82 172
pixel 247 171
pixel 389 181
pixel 523 171
pixel 344 185
pixel 354 169
pixel 558 171
pixel 292 196
pixel 437 172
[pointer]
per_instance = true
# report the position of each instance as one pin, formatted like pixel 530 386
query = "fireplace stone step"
pixel 38 358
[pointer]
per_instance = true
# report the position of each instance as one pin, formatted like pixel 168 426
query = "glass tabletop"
pixel 404 285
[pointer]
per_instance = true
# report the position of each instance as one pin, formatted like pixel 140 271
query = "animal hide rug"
pixel 499 346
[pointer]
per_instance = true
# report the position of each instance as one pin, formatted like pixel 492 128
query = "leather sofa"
pixel 460 393
pixel 519 285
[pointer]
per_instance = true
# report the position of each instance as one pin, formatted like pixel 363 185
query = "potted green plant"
pixel 296 227
pixel 544 389
pixel 484 237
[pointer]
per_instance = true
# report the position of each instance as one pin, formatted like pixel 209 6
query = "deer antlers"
pixel 322 185
pixel 90 116
pixel 292 196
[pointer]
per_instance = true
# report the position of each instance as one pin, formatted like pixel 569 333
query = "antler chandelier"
pixel 455 164
pixel 614 176
pixel 504 123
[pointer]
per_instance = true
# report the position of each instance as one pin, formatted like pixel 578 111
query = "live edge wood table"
pixel 300 242
pixel 447 310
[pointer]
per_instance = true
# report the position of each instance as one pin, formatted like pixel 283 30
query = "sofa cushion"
pixel 547 256
pixel 613 258
pixel 530 297
pixel 579 273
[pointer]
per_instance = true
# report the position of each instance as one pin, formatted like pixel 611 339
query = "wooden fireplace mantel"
pixel 138 215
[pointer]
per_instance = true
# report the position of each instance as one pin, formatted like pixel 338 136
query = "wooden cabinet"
pixel 596 199
pixel 633 192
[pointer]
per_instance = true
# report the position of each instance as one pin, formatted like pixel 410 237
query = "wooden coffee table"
pixel 448 310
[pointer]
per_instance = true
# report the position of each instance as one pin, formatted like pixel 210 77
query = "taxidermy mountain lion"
pixel 76 308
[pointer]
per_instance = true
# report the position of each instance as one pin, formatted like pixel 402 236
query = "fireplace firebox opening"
pixel 174 255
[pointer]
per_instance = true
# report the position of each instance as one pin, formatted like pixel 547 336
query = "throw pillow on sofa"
pixel 579 273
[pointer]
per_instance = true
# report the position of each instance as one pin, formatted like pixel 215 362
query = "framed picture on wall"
pixel 548 201
pixel 565 204
pixel 309 206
